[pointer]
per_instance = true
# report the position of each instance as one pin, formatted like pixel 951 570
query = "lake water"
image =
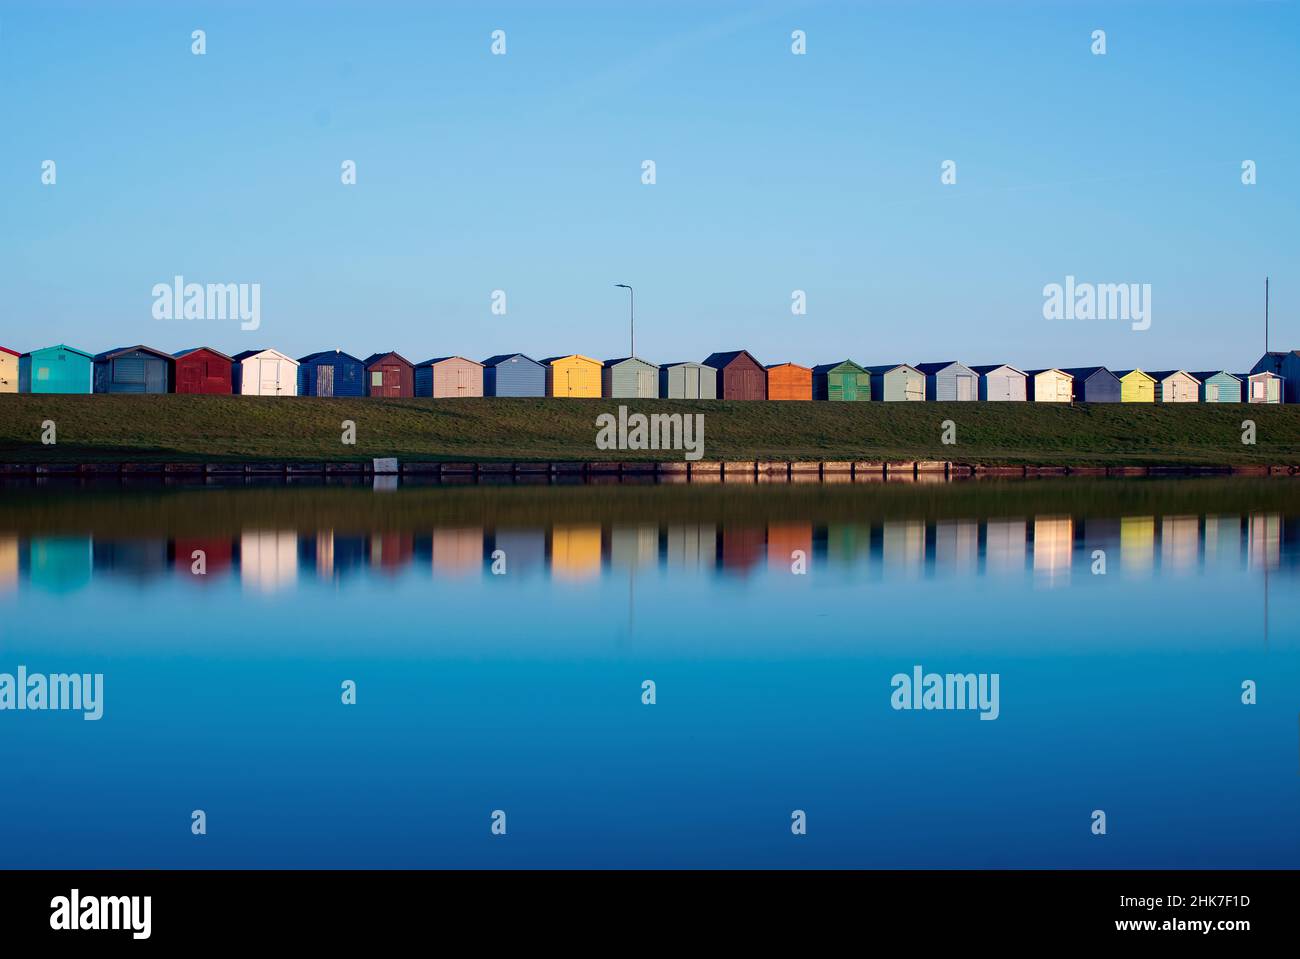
pixel 499 639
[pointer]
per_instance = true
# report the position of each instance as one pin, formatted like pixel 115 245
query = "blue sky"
pixel 775 172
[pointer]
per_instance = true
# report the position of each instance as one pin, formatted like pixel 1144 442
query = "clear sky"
pixel 775 173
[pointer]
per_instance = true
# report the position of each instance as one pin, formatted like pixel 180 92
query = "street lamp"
pixel 631 313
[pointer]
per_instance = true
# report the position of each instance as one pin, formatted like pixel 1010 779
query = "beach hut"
pixel 844 382
pixel 688 381
pixel 789 381
pixel 1218 387
pixel 1094 384
pixel 1261 387
pixel 740 376
pixel 331 373
pixel 134 369
pixel 573 375
pixel 448 376
pixel 1176 386
pixel 203 370
pixel 389 375
pixel 897 382
pixel 1287 366
pixel 629 378
pixel 8 370
pixel 513 374
pixel 949 381
pixel 575 550
pixel 1136 386
pixel 1050 386
pixel 264 373
pixel 1001 383
pixel 55 369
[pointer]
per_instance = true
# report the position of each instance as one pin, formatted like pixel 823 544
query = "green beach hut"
pixel 844 381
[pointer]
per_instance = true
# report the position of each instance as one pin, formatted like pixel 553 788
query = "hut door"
pixel 189 379
pixel 324 381
pixel 392 381
pixel 692 379
pixel 462 387
pixel 965 388
pixel 268 379
pixel 155 377
pixel 848 388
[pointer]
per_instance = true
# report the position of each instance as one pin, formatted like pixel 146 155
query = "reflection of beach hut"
pixel 784 540
pixel 1176 386
pixel 1094 384
pixel 1262 387
pixel 1050 386
pixel 8 562
pixel 1286 365
pixel 629 378
pixel 574 375
pixel 133 369
pixel 1223 539
pixel 1180 542
pixel 331 373
pixel 633 545
pixel 897 382
pixel 789 381
pixel 55 369
pixel 1264 540
pixel 741 547
pixel 8 370
pixel 949 381
pixel 448 376
pixel 956 545
pixel 691 545
pixel 1136 386
pixel 268 559
pixel 456 550
pixel 203 370
pixel 1137 543
pixel 902 547
pixel 389 375
pixel 1053 545
pixel 264 373
pixel 688 381
pixel 1001 383
pixel 844 381
pixel 57 564
pixel 1004 546
pixel 513 374
pixel 575 550
pixel 1218 387
pixel 740 376
pixel 216 553
pixel 391 550
pixel 522 549
pixel 333 555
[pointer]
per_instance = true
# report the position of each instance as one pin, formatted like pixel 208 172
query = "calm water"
pixel 521 691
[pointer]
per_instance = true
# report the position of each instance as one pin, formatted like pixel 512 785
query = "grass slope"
pixel 307 429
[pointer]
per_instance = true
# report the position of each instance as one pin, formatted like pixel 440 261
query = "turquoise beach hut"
pixel 55 369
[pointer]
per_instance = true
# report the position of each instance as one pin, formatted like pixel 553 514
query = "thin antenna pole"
pixel 1266 314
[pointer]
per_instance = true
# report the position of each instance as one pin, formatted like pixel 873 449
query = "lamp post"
pixel 631 313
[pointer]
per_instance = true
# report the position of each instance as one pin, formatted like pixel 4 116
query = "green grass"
pixel 305 429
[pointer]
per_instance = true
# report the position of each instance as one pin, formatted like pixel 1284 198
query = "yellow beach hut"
pixel 8 370
pixel 573 375
pixel 1136 387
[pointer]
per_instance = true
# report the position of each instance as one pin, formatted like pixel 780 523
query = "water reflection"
pixel 1046 548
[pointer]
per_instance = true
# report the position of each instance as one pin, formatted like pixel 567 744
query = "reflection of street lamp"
pixel 631 313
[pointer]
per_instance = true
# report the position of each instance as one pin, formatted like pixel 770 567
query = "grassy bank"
pixel 304 429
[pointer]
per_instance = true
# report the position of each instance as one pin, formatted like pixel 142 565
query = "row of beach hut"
pixel 733 375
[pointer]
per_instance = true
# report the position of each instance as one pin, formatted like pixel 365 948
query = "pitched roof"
pixel 60 346
pixel 798 366
pixel 1204 375
pixel 444 359
pixel 624 359
pixel 315 356
pixel 376 357
pixel 571 356
pixel 1048 369
pixel 664 366
pixel 830 367
pixel 500 358
pixel 240 357
pixel 5 349
pixel 931 368
pixel 1123 373
pixel 1083 372
pixel 720 360
pixel 983 370
pixel 890 367
pixel 195 349
pixel 118 351
pixel 1165 374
